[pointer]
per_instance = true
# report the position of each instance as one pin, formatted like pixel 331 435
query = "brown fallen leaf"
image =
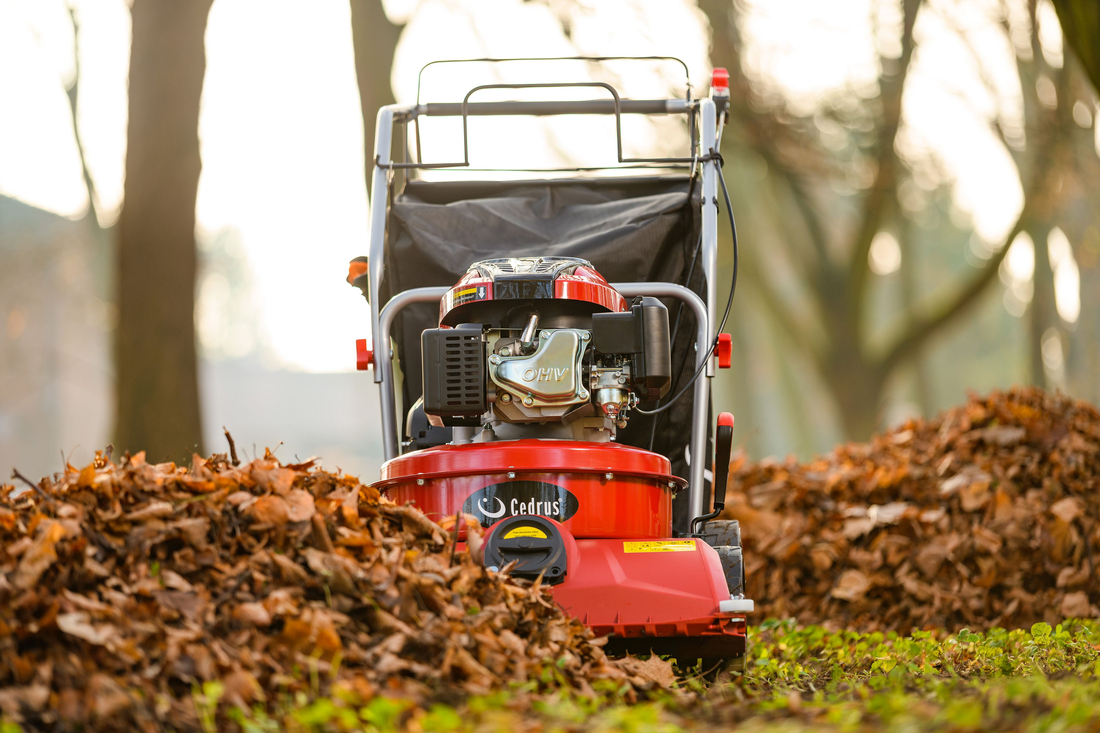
pixel 654 670
pixel 851 586
pixel 253 613
pixel 40 556
pixel 949 520
pixel 79 624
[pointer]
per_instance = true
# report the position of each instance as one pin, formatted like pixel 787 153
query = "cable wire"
pixel 729 301
pixel 672 340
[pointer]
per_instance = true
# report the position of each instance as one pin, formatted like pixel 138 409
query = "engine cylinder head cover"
pixel 502 293
pixel 533 543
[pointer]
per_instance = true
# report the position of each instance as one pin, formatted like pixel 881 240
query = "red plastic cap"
pixel 364 357
pixel 720 79
pixel 726 418
pixel 724 350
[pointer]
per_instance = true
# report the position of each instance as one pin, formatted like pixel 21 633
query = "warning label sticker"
pixel 466 295
pixel 525 531
pixel 660 546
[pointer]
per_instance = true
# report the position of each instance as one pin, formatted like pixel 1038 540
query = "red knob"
pixel 724 350
pixel 364 357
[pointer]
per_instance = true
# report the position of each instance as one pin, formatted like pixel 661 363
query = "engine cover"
pixel 549 377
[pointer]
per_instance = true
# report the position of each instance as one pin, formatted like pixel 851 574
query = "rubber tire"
pixel 723 532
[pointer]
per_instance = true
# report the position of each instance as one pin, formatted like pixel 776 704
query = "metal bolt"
pixel 609 475
pixel 622 379
pixel 511 474
pixel 528 400
pixel 585 336
pixel 584 395
pixel 506 351
pixel 505 398
pixel 420 482
pixel 544 334
pixel 494 359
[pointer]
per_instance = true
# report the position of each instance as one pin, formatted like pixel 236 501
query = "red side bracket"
pixel 364 357
pixel 724 350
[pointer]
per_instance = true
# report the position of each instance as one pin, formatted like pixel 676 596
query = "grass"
pixel 798 679
pixel 1042 679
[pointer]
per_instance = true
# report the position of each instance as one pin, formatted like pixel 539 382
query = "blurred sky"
pixel 281 131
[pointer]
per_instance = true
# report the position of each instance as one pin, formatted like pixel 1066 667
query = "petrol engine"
pixel 541 347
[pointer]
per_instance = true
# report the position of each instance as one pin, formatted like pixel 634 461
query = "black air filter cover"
pixel 454 374
pixel 642 334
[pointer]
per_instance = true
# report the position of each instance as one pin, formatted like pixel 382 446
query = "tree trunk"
pixel 1041 314
pixel 858 390
pixel 1080 20
pixel 157 388
pixel 375 40
pixel 910 296
pixel 1085 341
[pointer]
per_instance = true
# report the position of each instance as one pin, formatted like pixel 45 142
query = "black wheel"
pixel 723 532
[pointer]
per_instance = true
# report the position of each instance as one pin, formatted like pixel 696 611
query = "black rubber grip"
pixel 723 448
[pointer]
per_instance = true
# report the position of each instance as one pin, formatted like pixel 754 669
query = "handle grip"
pixel 723 449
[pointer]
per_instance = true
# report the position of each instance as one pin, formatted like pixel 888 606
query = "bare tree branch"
pixel 927 320
pixel 796 186
pixel 880 195
pixel 72 92
pixel 778 307
pixel 770 138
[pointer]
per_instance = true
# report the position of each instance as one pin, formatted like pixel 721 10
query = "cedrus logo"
pixel 512 498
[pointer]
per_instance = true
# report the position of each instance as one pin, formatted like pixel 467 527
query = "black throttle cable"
pixel 717 157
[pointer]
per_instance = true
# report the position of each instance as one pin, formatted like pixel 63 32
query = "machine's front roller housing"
pixel 594 521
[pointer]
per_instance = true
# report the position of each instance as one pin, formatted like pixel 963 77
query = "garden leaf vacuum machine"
pixel 568 415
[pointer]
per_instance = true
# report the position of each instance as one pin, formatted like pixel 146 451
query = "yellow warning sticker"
pixel 660 546
pixel 527 531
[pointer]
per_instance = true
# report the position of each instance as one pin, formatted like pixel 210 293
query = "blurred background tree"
pixel 836 204
pixel 157 388
pixel 871 292
pixel 374 37
pixel 1080 21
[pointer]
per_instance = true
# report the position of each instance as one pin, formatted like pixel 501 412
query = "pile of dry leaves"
pixel 988 515
pixel 124 587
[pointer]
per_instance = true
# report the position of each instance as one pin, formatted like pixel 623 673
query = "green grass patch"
pixel 1042 679
pixel 797 679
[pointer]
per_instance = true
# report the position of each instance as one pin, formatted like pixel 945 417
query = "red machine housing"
pixel 627 577
pixel 620 491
